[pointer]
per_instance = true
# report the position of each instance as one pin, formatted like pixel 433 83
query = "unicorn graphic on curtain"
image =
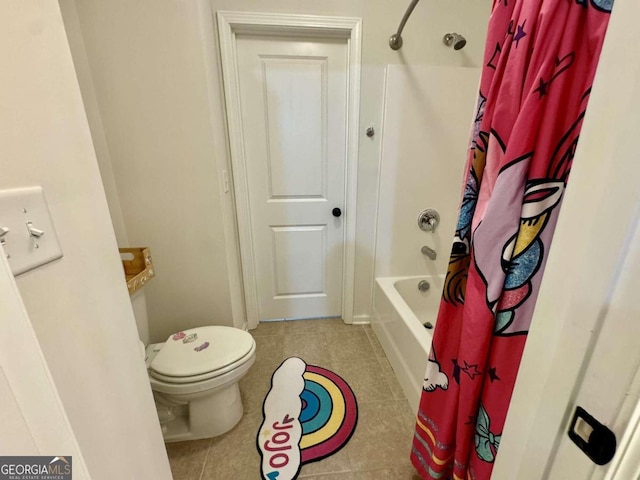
pixel 539 64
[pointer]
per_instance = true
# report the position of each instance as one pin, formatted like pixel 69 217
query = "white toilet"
pixel 194 377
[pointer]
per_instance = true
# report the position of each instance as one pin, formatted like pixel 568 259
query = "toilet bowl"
pixel 194 377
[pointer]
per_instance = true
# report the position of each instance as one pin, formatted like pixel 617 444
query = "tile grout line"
pixel 204 463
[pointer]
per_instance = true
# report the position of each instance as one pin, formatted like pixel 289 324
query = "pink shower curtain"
pixel 539 63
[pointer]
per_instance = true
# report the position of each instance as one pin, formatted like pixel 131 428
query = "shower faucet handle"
pixel 428 220
pixel 429 252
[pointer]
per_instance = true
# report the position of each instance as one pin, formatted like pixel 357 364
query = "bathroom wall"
pixel 427 120
pixel 147 63
pixel 76 43
pixel 156 75
pixel 78 305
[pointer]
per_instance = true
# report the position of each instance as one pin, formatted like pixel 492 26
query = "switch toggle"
pixel 33 231
pixel 3 232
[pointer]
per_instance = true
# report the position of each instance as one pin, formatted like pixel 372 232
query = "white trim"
pixel 30 381
pixel 232 23
pixel 279 24
pixel 354 46
pixel 383 118
pixel 625 462
pixel 218 119
pixel 364 319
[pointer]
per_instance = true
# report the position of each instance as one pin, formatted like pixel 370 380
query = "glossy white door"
pixel 293 94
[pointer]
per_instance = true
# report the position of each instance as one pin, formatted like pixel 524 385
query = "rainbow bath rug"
pixel 309 414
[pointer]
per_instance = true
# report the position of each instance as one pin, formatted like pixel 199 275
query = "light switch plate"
pixel 20 207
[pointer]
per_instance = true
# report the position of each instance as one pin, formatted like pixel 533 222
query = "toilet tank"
pixel 139 305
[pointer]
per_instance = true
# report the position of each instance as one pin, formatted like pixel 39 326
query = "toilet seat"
pixel 202 386
pixel 201 354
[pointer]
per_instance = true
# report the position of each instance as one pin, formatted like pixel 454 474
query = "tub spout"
pixel 429 252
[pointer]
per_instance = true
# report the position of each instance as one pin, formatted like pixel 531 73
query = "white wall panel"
pixel 428 114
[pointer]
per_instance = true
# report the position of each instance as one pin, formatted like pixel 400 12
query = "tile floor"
pixel 380 446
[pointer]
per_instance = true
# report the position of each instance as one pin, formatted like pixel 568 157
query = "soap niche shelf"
pixel 138 267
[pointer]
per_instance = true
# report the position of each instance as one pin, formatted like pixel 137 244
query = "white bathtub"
pixel 400 310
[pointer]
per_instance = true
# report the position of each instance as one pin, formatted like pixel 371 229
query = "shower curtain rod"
pixel 395 41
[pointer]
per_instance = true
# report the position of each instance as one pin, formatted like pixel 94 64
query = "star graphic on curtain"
pixel 542 89
pixel 456 370
pixel 520 34
pixel 492 374
pixel 471 370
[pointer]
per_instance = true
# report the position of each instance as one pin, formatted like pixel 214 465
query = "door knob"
pixel 336 212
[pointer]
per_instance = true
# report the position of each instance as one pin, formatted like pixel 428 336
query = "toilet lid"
pixel 201 350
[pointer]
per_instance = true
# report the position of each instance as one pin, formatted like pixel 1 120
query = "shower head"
pixel 455 40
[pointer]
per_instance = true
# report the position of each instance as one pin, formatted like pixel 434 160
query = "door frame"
pixel 229 25
pixel 43 417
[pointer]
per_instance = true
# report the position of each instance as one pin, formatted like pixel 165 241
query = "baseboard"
pixel 361 319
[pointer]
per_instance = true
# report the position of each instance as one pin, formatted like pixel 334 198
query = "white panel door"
pixel 293 94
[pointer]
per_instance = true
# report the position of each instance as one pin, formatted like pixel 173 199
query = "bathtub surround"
pixel 427 117
pixel 518 167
